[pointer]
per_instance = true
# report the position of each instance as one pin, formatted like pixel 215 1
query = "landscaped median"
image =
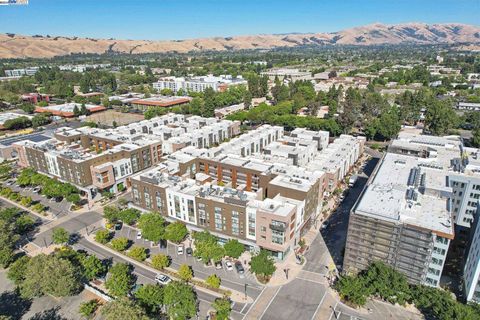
pixel 147 263
pixel 25 203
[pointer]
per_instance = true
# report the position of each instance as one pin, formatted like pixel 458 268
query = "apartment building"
pixel 402 218
pixel 287 73
pixel 471 272
pixel 21 72
pixel 198 84
pixel 337 159
pixel 98 160
pixel 274 223
pixel 247 188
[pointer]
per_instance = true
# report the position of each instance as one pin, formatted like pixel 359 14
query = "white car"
pixel 228 265
pixel 179 250
pixel 162 279
pixel 139 235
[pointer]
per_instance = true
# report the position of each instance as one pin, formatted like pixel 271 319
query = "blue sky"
pixel 181 19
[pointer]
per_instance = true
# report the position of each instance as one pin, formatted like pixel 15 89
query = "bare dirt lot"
pixel 107 117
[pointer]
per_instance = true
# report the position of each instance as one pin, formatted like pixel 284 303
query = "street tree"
pixel 50 275
pixel 152 225
pixel 185 272
pixel 150 296
pixel 262 264
pixel 213 281
pixel 176 232
pixel 138 253
pixel 111 213
pixel 129 216
pixel 92 266
pixel 223 308
pixel 119 280
pixel 233 248
pixel 88 308
pixel 160 261
pixel 8 238
pixel 16 271
pixel 179 300
pixel 102 236
pixel 120 244
pixel 60 236
pixel 124 309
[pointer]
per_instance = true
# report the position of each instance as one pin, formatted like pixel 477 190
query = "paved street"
pixel 230 279
pixel 336 234
pixel 146 276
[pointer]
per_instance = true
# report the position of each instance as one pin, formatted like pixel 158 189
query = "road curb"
pixel 235 296
pixel 26 209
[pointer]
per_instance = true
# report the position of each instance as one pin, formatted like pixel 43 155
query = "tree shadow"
pixel 13 305
pixel 50 314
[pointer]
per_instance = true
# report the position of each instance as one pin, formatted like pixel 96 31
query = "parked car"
pixel 189 251
pixel 37 189
pixel 9 182
pixel 163 244
pixel 218 265
pixel 162 279
pixel 228 265
pixel 180 250
pixel 118 226
pixel 139 235
pixel 239 267
pixel 324 225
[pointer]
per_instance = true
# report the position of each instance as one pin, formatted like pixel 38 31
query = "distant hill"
pixel 18 46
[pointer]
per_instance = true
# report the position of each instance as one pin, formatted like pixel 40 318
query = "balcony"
pixel 278 227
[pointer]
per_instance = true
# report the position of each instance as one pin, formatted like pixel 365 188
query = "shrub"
pixel 213 281
pixel 87 308
pixel 120 244
pixel 102 236
pixel 160 261
pixel 138 253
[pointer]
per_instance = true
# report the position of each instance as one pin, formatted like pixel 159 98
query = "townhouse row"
pixel 97 160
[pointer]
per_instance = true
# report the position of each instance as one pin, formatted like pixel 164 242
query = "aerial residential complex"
pixel 100 160
pixel 424 192
pixel 198 84
pixel 256 187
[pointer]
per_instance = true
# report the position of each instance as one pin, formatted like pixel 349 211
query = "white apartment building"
pixel 198 84
pixel 21 72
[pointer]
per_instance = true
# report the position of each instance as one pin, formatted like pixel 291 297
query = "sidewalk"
pixel 235 295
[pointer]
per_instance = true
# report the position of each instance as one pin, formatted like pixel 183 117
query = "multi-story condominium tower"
pixel 402 218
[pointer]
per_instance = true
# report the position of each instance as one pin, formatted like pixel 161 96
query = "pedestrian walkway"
pixel 261 304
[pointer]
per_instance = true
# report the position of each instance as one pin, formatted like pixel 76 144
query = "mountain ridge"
pixel 20 46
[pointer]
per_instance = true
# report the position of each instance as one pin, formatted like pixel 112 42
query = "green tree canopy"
pixel 176 232
pixel 124 309
pixel 50 275
pixel 233 248
pixel 150 296
pixel 60 236
pixel 223 308
pixel 119 280
pixel 262 264
pixel 152 225
pixel 179 300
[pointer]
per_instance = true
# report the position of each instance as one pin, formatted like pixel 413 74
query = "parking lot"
pixel 230 279
pixel 58 209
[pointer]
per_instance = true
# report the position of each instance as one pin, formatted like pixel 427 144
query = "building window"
pixel 159 200
pixel 136 198
pixel 191 211
pixel 251 224
pixel 235 223
pixel 148 201
pixel 278 237
pixel 442 240
pixel 439 251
